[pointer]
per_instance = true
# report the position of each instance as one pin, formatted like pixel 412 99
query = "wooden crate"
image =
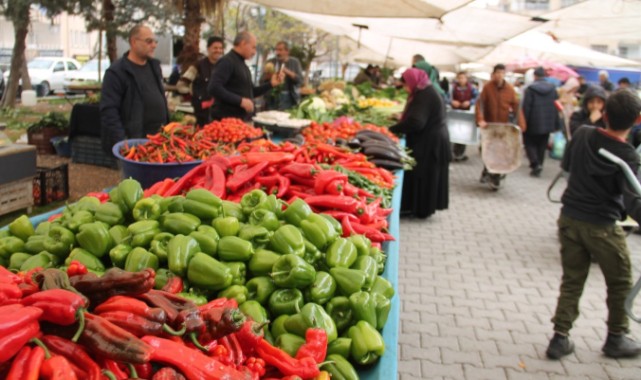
pixel 16 195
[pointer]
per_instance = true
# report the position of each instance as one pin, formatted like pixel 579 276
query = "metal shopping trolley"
pixel 501 151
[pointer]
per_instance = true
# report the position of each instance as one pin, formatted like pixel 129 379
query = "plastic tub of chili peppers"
pixel 148 173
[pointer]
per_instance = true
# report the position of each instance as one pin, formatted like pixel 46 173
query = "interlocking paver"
pixel 479 283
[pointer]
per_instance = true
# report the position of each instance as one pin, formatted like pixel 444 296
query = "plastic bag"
pixel 558 145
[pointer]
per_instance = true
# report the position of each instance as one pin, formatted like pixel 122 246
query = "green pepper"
pixel 291 271
pixel 362 244
pixel 196 298
pixel 4 233
pixel 78 219
pixel 335 223
pixel 339 368
pixel 278 326
pixel 380 258
pixel 348 281
pixel 22 228
pixel 95 238
pixel 207 239
pixel 312 316
pixel 43 259
pixel 364 307
pixel 203 204
pixel 86 258
pixel 255 311
pixel 42 228
pixel 146 209
pixel 319 231
pixel 312 255
pixel 296 212
pixel 162 276
pixel 342 253
pixel 341 312
pixel 226 226
pixel 206 272
pixel 258 236
pixel 368 265
pixel 341 346
pixel 367 343
pixel 116 198
pixel 264 218
pixel 109 213
pixel 262 262
pixel 383 308
pixel 158 245
pixel 272 204
pixel 87 204
pixel 175 202
pixel 383 286
pixel 120 234
pixel 139 259
pixel 286 301
pixel 233 209
pixel 238 271
pixel 288 239
pixel 118 255
pixel 180 223
pixel 143 232
pixel 59 241
pixel 322 290
pixel 233 248
pixel 252 200
pixel 130 192
pixel 180 250
pixel 17 259
pixel 260 288
pixel 35 244
pixel 237 292
pixel 289 343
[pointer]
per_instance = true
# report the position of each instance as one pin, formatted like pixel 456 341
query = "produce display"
pixel 342 128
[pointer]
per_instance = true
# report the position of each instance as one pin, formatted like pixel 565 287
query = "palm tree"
pixel 194 13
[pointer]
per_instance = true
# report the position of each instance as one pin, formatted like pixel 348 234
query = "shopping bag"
pixel 558 145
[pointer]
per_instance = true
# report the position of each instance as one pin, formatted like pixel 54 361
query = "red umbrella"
pixel 553 69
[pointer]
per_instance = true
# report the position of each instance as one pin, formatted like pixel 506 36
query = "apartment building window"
pixel 623 51
pixel 537 5
pixel 600 48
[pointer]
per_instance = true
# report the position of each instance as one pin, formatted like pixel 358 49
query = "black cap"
pixel 539 72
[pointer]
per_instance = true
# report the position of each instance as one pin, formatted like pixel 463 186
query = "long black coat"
pixel 541 115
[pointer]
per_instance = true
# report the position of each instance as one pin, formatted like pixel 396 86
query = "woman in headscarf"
pixel 426 187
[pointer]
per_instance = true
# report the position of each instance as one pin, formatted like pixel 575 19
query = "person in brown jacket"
pixel 496 104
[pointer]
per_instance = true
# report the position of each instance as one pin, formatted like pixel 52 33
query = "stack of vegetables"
pixel 320 286
pixel 342 128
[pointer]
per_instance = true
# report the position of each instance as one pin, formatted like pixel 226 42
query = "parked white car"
pixel 87 73
pixel 49 72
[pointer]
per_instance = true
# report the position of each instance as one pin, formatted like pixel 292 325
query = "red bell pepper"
pixel 9 293
pixel 8 277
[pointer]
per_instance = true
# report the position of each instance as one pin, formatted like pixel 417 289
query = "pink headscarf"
pixel 416 79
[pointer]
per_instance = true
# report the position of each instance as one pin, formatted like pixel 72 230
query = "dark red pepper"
pixel 223 321
pixel 133 306
pixel 135 324
pixel 8 277
pixel 106 339
pixel 114 282
pixel 75 354
pixel 171 304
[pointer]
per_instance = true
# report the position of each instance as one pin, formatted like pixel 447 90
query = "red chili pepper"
pixel 167 373
pixel 337 202
pixel 174 285
pixel 153 189
pixel 171 304
pixel 325 178
pixel 219 181
pixel 272 158
pixel 346 223
pixel 218 303
pixel 239 178
pixel 305 367
pixel 371 233
pixel 26 365
pixel 76 355
pixel 131 305
pixel 9 294
pixel 183 182
pixel 114 368
pixel 11 342
pixel 315 346
pixel 300 170
pixel 249 335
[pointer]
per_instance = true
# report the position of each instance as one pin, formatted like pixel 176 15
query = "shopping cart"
pixel 501 151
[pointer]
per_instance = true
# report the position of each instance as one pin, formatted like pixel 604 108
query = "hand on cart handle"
pixel 482 124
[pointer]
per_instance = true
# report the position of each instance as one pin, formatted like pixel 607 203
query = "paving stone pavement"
pixel 479 282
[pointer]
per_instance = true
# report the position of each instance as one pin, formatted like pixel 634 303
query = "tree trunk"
pixel 21 28
pixel 108 9
pixel 193 20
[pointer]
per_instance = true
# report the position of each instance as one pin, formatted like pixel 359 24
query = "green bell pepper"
pixel 180 251
pixel 233 209
pixel 335 223
pixel 237 292
pixel 86 258
pixel 78 219
pixel 118 255
pixel 4 233
pixel 198 299
pixel 180 223
pixel 380 258
pixel 319 231
pixel 288 239
pixel 291 271
pixel 143 232
pixel 322 290
pixel 367 343
pixel 286 301
pixel 17 259
pixel 95 238
pixel 289 343
pixel 146 209
pixel 342 253
pixel 22 228
pixel 260 288
pixel 341 346
pixel 278 326
pixel 264 218
pixel 35 244
pixel 226 226
pixel 258 236
pixel 364 307
pixel 312 255
pixel 339 368
pixel 130 192
pixel 383 308
pixel 340 310
pixel 10 245
pixel 109 213
pixel 87 204
pixel 171 204
pixel 158 245
pixel 262 262
pixel 369 266
pixel 252 200
pixel 348 281
pixel 233 248
pixel 120 234
pixel 116 198
pixel 207 239
pixel 162 276
pixel 59 241
pixel 43 228
pixel 43 259
pixel 255 311
pixel 312 315
pixel 362 244
pixel 139 259
pixel 296 212
pixel 203 204
pixel 383 286
pixel 207 273
pixel 238 272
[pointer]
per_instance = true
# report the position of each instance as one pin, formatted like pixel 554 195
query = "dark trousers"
pixel 458 150
pixel 535 147
pixel 606 244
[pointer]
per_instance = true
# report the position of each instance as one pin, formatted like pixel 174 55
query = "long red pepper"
pixel 135 324
pixel 9 293
pixel 53 368
pixel 115 369
pixel 131 305
pixel 7 277
pixel 305 367
pixel 238 179
pixel 315 345
pixel 105 339
pixel 20 366
pixel 11 343
pixel 338 202
pixel 75 353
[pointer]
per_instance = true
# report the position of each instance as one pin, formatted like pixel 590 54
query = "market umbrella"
pixel 552 69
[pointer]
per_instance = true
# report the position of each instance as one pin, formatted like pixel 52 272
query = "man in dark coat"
pixel 231 82
pixel 541 118
pixel 132 101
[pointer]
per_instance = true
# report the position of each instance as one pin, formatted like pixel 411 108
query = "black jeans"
pixel 535 147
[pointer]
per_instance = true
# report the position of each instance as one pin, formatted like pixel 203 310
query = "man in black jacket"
pixel 231 82
pixel 132 101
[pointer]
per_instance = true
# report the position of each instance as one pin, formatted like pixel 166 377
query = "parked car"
pixel 88 73
pixel 47 74
pixel 1 84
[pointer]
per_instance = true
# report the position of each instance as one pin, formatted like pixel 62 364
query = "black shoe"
pixel 621 346
pixel 460 158
pixel 559 347
pixel 536 171
pixel 484 176
pixel 495 181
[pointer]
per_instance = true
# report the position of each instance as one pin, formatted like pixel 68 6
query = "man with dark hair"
pixel 624 83
pixel 365 75
pixel 286 95
pixel 231 82
pixel 598 195
pixel 132 101
pixel 419 62
pixel 463 98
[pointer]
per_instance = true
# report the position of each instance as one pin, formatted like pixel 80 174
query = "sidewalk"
pixel 479 283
